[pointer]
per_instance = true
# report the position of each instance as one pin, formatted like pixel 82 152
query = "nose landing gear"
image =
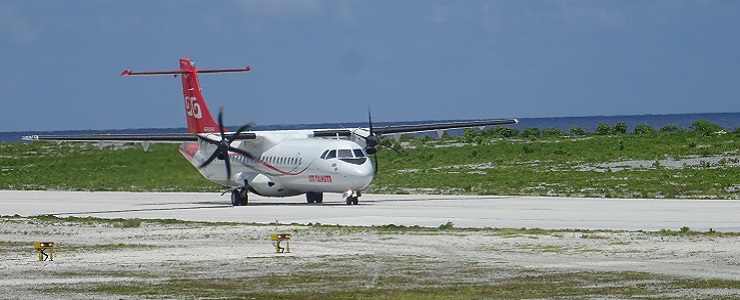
pixel 352 197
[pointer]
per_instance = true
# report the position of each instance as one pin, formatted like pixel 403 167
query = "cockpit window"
pixel 345 153
pixel 355 156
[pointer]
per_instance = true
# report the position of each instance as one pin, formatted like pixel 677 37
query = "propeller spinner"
pixel 224 145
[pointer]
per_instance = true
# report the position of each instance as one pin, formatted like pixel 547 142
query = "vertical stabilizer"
pixel 197 113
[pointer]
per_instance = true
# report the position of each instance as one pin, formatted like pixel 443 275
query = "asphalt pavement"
pixel 408 210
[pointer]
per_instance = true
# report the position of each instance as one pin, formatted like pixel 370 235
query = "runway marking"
pixel 131 210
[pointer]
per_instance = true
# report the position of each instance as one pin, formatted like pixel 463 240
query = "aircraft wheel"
pixel 352 200
pixel 235 198
pixel 314 197
pixel 243 197
pixel 239 198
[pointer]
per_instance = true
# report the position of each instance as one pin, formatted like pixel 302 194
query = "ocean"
pixel 729 121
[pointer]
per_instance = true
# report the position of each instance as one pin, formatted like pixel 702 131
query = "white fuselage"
pixel 287 163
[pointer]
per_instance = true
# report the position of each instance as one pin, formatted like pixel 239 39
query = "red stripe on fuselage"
pixel 192 149
pixel 271 167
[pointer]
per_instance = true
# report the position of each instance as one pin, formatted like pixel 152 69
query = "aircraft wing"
pixel 187 137
pixel 172 138
pixel 401 129
pixel 442 126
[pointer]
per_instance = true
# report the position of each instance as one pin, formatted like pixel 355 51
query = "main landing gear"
pixel 239 197
pixel 314 197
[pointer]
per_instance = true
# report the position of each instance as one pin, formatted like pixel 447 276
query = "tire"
pixel 243 197
pixel 314 197
pixel 239 198
pixel 235 201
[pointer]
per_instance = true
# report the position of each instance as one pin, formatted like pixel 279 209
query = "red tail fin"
pixel 199 117
pixel 197 113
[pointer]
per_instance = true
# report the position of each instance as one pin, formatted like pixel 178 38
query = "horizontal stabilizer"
pixel 178 72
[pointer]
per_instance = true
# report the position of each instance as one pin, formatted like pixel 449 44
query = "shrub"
pixel 705 128
pixel 527 149
pixel 407 137
pixel 602 129
pixel 128 223
pixel 577 130
pixel 643 129
pixel 670 128
pixel 531 133
pixel 552 132
pixel 447 226
pixel 469 135
pixel 421 141
pixel 506 132
pixel 619 128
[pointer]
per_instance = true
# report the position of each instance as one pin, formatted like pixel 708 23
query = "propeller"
pixel 224 145
pixel 372 141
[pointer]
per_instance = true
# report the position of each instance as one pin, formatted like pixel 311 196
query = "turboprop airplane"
pixel 276 163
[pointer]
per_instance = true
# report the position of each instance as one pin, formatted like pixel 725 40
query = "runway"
pixel 408 210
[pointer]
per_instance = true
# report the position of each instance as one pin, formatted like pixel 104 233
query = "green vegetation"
pixel 80 166
pixel 672 163
pixel 699 162
pixel 353 285
pixel 446 228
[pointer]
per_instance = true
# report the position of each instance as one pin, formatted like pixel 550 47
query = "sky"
pixel 330 61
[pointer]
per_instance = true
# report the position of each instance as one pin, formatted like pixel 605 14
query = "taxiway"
pixel 408 210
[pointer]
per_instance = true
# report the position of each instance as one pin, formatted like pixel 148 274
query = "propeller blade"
pixel 227 160
pixel 375 162
pixel 212 142
pixel 396 150
pixel 210 159
pixel 245 127
pixel 370 121
pixel 221 121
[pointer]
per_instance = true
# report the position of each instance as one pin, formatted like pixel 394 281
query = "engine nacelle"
pixel 262 184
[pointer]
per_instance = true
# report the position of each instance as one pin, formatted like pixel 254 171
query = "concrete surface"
pixel 423 210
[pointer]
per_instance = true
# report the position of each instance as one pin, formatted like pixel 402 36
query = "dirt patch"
pixel 92 255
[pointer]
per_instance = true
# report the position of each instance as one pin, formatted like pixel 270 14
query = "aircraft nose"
pixel 366 169
pixel 366 172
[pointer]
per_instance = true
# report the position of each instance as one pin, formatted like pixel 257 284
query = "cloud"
pixel 16 27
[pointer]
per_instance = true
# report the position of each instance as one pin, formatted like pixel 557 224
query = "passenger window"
pixel 345 153
pixel 332 154
pixel 359 153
